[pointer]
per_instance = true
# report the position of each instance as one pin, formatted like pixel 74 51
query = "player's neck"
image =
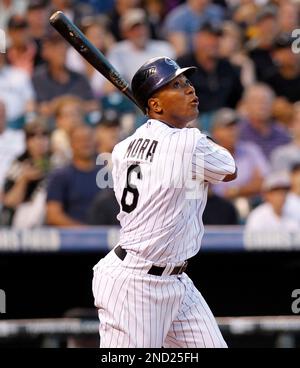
pixel 173 123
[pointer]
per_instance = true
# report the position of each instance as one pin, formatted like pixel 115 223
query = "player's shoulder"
pixel 121 147
pixel 193 134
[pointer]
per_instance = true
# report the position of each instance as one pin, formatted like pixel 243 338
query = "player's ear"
pixel 154 105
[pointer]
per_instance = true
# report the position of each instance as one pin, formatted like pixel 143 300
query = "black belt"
pixel 154 270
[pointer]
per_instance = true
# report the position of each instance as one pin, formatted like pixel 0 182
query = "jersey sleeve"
pixel 211 162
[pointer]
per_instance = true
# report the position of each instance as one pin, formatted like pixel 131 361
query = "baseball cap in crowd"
pixel 212 28
pixel 132 18
pixel 277 180
pixel 17 22
pixel 282 41
pixel 268 11
pixel 225 117
pixel 52 37
pixel 37 4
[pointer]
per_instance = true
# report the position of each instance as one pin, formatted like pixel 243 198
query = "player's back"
pixel 152 179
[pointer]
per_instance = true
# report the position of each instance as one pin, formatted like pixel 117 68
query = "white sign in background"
pixel 2 42
pixel 2 301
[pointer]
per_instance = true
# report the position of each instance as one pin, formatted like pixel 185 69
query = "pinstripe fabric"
pixel 141 310
pixel 163 227
pixel 166 225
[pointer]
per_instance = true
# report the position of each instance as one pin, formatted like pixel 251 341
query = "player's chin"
pixel 193 112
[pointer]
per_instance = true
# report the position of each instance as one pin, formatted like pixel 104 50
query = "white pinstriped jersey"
pixel 161 176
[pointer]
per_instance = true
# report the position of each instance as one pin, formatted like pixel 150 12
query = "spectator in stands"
pixel 16 91
pixel 107 134
pixel 103 6
pixel 219 211
pixel 288 16
pixel 292 204
pixel 185 20
pixel 156 11
pixel 250 161
pixel 73 10
pixel 72 189
pixel 105 207
pixel 259 127
pixel 12 144
pixel 128 55
pixel 282 111
pixel 231 48
pixel 24 189
pixel 244 12
pixel 68 113
pixel 285 78
pixel 266 29
pixel 9 8
pixel 120 7
pixel 37 16
pixel 95 29
pixel 53 79
pixel 269 216
pixel 22 50
pixel 217 81
pixel 284 157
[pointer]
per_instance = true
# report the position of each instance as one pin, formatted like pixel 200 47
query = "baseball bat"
pixel 72 34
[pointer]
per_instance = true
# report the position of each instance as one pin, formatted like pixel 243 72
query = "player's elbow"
pixel 230 177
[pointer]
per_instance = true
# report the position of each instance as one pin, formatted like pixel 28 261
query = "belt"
pixel 154 270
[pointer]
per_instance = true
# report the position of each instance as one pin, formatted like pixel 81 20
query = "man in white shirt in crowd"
pixel 292 204
pixel 269 216
pixel 12 144
pixel 16 91
pixel 137 47
pixel 9 8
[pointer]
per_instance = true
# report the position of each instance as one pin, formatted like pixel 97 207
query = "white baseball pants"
pixel 138 310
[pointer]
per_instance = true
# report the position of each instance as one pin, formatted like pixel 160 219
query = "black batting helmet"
pixel 153 75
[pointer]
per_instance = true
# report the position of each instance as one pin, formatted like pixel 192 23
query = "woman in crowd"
pixel 24 195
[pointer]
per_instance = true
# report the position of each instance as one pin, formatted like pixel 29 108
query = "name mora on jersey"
pixel 138 148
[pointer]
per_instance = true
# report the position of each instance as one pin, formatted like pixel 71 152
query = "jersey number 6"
pixel 131 188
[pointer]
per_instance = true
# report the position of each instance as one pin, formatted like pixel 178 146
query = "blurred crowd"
pixel 57 113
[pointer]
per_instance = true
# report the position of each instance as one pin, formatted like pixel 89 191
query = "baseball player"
pixel 161 174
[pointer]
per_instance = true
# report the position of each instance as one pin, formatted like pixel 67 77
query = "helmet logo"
pixel 149 72
pixel 172 63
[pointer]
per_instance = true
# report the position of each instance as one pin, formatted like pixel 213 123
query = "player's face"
pixel 177 103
